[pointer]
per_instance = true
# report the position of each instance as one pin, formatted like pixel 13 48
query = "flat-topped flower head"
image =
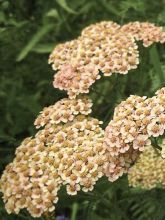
pixel 101 47
pixel 135 120
pixel 148 171
pixel 64 111
pixel 70 154
pixel 110 53
pixel 100 29
pixel 145 31
pixel 78 150
pixel 104 46
pixel 101 44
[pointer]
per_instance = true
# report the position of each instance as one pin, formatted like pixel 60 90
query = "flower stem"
pixel 74 211
pixel 155 145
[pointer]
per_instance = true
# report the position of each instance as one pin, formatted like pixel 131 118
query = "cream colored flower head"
pixel 101 47
pixel 31 180
pixel 70 154
pixel 135 121
pixel 148 171
pixel 106 47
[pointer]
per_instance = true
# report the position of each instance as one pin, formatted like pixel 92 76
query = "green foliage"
pixel 28 32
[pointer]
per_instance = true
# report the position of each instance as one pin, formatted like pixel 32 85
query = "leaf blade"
pixel 34 40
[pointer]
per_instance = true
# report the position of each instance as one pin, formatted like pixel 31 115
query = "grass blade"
pixel 34 40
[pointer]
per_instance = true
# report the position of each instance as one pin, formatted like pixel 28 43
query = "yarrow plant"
pixel 71 147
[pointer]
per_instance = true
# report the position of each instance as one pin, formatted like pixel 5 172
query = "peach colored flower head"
pixel 106 47
pixel 145 31
pixel 135 120
pixel 76 80
pixel 65 77
pixel 70 154
pixel 64 111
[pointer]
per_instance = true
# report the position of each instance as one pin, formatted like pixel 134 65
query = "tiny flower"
pixel 154 129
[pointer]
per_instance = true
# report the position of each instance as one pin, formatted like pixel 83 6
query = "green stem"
pixel 74 211
pixel 156 63
pixel 155 145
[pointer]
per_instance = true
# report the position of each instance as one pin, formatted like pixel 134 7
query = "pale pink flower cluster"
pixel 70 154
pixel 134 122
pixel 63 53
pixel 149 170
pixel 145 31
pixel 31 180
pixel 64 111
pixel 106 47
pixel 76 79
pixel 101 47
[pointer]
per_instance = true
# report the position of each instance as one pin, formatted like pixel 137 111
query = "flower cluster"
pixel 78 151
pixel 71 148
pixel 101 47
pixel 106 47
pixel 135 121
pixel 70 154
pixel 30 181
pixel 148 171
pixel 145 31
pixel 76 78
pixel 64 111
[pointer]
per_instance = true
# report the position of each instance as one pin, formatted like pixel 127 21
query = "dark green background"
pixel 29 29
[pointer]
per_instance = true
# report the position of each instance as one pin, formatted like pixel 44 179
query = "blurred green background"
pixel 29 29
